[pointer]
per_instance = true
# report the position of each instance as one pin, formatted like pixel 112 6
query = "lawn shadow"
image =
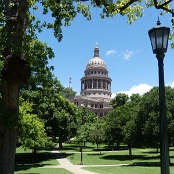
pixel 75 148
pixel 151 152
pixel 95 154
pixel 26 161
pixel 145 164
pixel 127 157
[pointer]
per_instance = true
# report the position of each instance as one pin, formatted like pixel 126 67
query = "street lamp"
pixel 81 150
pixel 159 36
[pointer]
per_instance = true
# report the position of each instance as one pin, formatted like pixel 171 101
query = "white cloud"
pixel 140 89
pixel 110 52
pixel 171 84
pixel 127 54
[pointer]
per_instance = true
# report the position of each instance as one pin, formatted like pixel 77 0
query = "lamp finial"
pixel 158 22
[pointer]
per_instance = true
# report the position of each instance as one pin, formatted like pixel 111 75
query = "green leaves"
pixel 119 100
pixel 31 132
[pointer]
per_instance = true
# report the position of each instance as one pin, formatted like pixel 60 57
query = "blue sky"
pixel 125 49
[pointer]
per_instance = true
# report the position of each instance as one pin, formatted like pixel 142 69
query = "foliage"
pixel 113 127
pixel 84 115
pixel 96 132
pixel 119 100
pixel 68 92
pixel 31 130
pixel 83 133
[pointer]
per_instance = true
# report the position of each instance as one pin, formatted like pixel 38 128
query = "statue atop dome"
pixel 96 45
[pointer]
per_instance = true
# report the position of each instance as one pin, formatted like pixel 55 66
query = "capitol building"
pixel 95 87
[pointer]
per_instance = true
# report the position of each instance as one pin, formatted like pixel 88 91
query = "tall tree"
pixel 97 132
pixel 113 127
pixel 31 132
pixel 119 100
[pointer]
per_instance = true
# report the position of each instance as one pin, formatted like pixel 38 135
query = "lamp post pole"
pixel 81 161
pixel 159 36
pixel 164 148
pixel 81 150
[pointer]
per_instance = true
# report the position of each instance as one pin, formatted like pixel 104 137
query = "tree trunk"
pixel 97 146
pixel 118 145
pixel 16 23
pixel 130 151
pixel 8 133
pixel 34 152
pixel 84 144
pixel 60 144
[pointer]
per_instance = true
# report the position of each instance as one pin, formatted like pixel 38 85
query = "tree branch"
pixel 123 7
pixel 162 6
pixel 127 5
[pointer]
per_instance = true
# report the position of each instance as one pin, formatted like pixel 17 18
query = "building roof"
pixel 96 61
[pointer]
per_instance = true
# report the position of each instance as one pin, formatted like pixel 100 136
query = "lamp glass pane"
pixel 159 36
pixel 152 38
pixel 165 38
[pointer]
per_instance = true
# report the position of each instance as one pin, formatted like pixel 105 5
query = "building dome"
pixel 96 61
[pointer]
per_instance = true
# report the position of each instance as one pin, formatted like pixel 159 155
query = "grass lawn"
pixel 140 156
pixel 25 158
pixel 144 161
pixel 91 156
pixel 74 146
pixel 127 170
pixel 42 171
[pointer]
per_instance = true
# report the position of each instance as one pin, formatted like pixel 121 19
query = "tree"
pixel 63 121
pixel 149 116
pixel 120 122
pixel 113 128
pixel 130 110
pixel 119 100
pixel 19 27
pixel 148 119
pixel 31 132
pixel 96 132
pixel 68 93
pixel 83 133
pixel 84 115
pixel 84 118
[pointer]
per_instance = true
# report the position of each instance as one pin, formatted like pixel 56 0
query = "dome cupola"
pixel 96 61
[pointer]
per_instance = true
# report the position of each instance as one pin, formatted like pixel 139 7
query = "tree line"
pixel 133 122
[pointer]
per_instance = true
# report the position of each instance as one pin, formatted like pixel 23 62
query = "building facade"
pixel 95 87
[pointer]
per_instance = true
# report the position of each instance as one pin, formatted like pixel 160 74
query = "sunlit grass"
pixel 43 171
pixel 126 170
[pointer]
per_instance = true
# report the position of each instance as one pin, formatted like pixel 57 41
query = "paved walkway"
pixel 76 169
pixel 66 164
